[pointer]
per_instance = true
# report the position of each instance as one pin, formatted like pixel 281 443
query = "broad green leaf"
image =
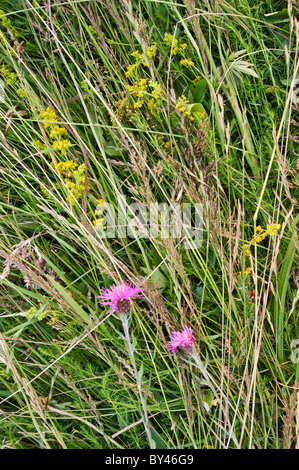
pixel 113 150
pixel 198 112
pixel 157 278
pixel 209 400
pixel 159 441
pixel 277 17
pixel 198 91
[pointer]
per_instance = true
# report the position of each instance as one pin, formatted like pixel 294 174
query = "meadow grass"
pixel 149 102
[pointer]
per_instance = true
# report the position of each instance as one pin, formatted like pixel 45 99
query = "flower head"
pixel 171 42
pixel 57 132
pixel 119 297
pixel 150 51
pixel 182 107
pixel 181 340
pixel 186 62
pixel 131 70
pixel 272 229
pixel 61 145
pixel 48 117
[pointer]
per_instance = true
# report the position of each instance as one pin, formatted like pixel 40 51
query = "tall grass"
pixel 71 376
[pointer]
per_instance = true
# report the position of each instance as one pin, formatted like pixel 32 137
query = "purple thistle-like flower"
pixel 119 297
pixel 182 340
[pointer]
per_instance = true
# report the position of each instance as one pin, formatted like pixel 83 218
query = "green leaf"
pixel 157 278
pixel 283 283
pixel 289 81
pixel 209 400
pixel 277 17
pixel 198 112
pixel 199 291
pixel 281 27
pixel 112 150
pixel 160 443
pixel 155 257
pixel 239 67
pixel 198 91
pixel 162 13
pixel 64 243
pixel 75 306
pixel 139 376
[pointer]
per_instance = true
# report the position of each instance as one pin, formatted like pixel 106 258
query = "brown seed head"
pixel 124 306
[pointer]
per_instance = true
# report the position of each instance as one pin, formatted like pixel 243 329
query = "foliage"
pixel 148 102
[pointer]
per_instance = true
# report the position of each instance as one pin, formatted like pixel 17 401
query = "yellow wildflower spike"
pixel 272 229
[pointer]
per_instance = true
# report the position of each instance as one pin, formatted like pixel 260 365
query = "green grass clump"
pixel 109 104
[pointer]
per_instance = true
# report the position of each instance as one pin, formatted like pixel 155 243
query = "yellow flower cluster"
pixel 93 31
pixel 122 107
pixel 153 106
pixel 260 235
pixel 40 145
pixel 48 117
pixel 186 62
pixel 100 207
pixel 66 166
pixel 154 103
pixel 150 51
pixel 140 60
pixel 61 145
pixel 157 90
pixel 49 120
pixel 33 310
pixel 109 41
pixel 58 132
pixel 6 23
pixel 76 181
pixel 99 222
pixel 273 89
pixel 173 43
pixel 200 115
pixel 181 106
pixel 168 146
pixel 143 91
pixel 131 70
pixel 246 249
pixel 137 90
pixel 21 93
pixel 273 229
pixel 3 38
pixel 9 76
pixel 246 272
pixel 53 320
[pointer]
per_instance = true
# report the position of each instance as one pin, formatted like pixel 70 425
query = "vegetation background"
pixel 158 102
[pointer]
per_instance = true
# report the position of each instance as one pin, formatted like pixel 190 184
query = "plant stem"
pixel 213 387
pixel 125 323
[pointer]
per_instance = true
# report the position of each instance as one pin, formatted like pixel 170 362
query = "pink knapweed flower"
pixel 182 340
pixel 119 297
